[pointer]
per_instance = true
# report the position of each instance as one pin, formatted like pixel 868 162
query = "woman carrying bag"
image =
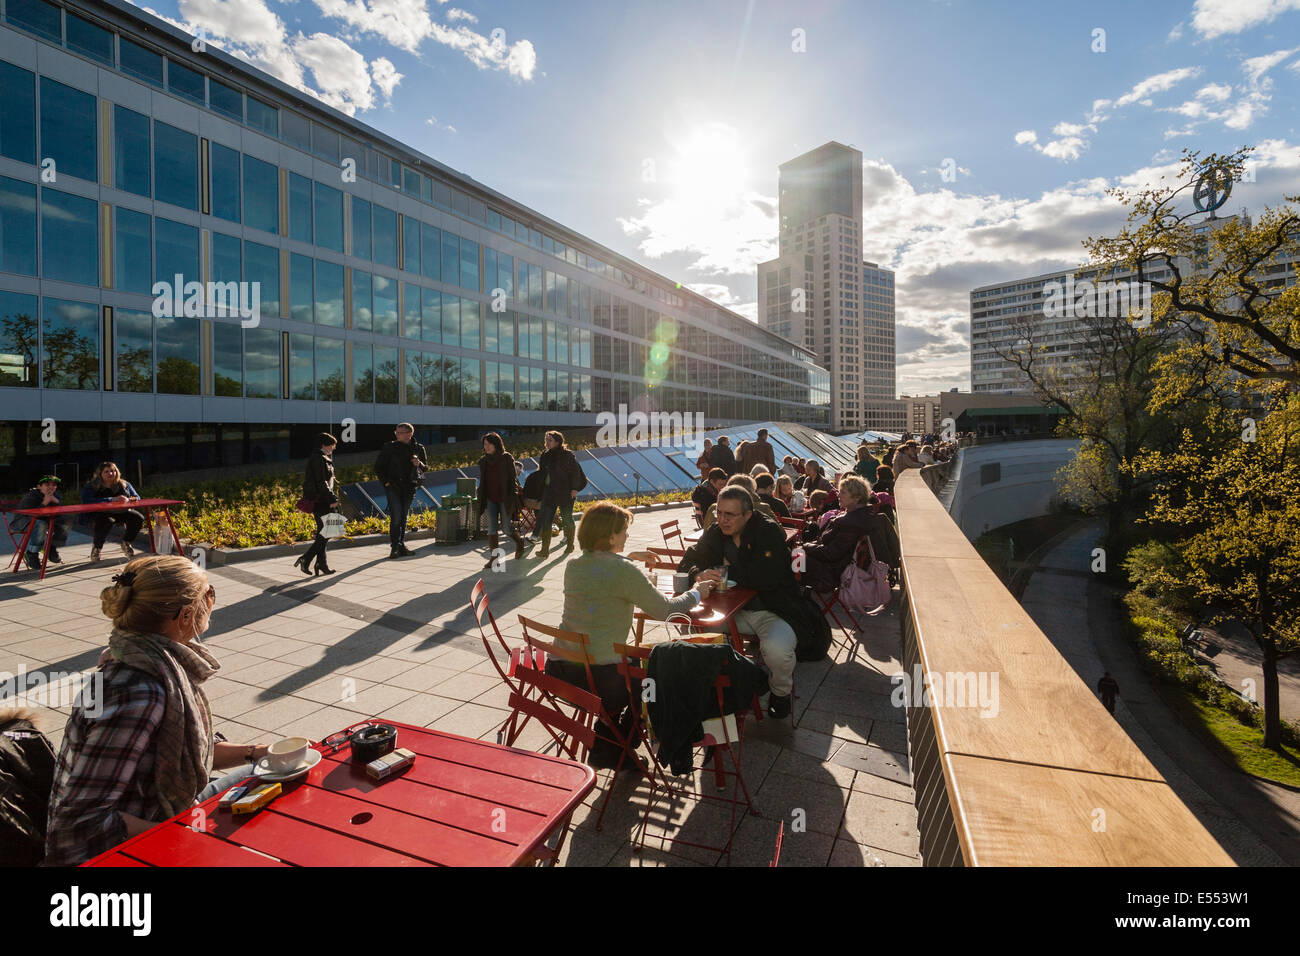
pixel 564 479
pixel 499 494
pixel 318 489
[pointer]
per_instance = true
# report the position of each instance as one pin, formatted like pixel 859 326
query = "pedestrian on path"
pixel 1108 687
pixel 401 466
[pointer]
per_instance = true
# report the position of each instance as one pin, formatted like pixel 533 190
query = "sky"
pixel 990 131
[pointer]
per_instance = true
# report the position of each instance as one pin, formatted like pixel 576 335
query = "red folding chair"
pixel 671 530
pixel 522 656
pixel 776 851
pixel 537 697
pixel 5 508
pixel 723 735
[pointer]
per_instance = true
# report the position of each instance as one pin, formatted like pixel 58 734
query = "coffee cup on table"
pixel 287 755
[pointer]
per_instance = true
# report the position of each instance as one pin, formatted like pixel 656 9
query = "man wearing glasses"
pixel 753 548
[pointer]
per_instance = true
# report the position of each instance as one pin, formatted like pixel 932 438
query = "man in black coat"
pixel 723 457
pixel 753 548
pixel 400 466
pixel 706 493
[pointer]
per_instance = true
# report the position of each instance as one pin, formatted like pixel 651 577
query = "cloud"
pixel 1215 18
pixel 1176 33
pixel 455 13
pixel 433 121
pixel 1253 97
pixel 385 76
pixel 1026 136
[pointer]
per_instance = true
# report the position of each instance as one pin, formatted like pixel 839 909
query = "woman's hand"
pixel 649 557
pixel 704 587
pixel 709 577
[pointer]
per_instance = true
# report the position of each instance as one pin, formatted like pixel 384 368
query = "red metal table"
pixel 147 504
pixel 717 611
pixel 464 802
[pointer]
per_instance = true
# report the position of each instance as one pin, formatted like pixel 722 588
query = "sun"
pixel 709 165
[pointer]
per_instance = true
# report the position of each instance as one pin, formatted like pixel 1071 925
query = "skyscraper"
pixel 820 293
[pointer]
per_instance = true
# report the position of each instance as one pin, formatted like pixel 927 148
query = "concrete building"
pixel 821 294
pixel 326 272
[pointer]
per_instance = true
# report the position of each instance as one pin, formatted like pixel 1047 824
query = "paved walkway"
pixel 1257 823
pixel 397 639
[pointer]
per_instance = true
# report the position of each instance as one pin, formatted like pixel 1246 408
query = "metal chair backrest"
pixel 564 652
pixel 670 530
pixel 537 698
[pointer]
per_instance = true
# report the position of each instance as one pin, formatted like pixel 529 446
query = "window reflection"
pixel 329 294
pixel 131 152
pixel 70 344
pixel 329 370
pixel 363 373
pixel 261 195
pixel 431 316
pixel 261 363
pixel 178 355
pixel 69 237
pixel 17 226
pixel 329 217
pixel 133 256
pixel 176 252
pixel 385 375
pixel 262 266
pixel 361 303
pixel 68 130
pixel 18 340
pixel 385 312
pixel 299 208
pixel 302 374
pixel 300 287
pixel 411 310
pixel 227 359
pixel 18 118
pixel 175 166
pixel 225 182
pixel 385 236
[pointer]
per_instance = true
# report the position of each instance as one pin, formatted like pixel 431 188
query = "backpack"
pixel 26 779
pixel 865 583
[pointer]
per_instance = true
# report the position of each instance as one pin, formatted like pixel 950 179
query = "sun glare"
pixel 709 167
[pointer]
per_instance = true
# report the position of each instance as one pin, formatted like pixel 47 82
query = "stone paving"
pixel 397 639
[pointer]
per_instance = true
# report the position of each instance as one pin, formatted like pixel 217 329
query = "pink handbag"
pixel 865 587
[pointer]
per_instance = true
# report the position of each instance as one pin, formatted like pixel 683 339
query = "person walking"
pixel 563 480
pixel 318 487
pixel 44 495
pixel 758 452
pixel 400 465
pixel 866 465
pixel 109 486
pixel 702 464
pixel 723 457
pixel 1107 688
pixel 499 494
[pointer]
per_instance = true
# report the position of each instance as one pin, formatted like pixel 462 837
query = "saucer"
pixel 264 771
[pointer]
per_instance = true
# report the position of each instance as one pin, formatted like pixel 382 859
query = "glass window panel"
pixel 224 163
pixel 329 294
pixel 302 373
pixel 431 238
pixel 226 100
pixel 506 333
pixel 325 143
pixel 490 332
pixel 262 270
pixel 68 125
pixel 431 377
pixel 535 288
pixel 18 226
pixel 582 393
pixel 185 82
pixel 537 348
pixel 361 303
pixel 133 255
pixel 329 370
pixel 360 228
pixel 471 374
pixel 505 385
pixel 561 294
pixel 385 314
pixel 451 258
pixel 395 178
pixel 178 355
pixel 261 195
pixel 385 244
pixel 299 207
pixel 175 166
pixel 261 363
pixel 460 202
pixel 351 149
pixel 37 16
pixel 262 116
pixel 295 129
pixel 226 258
pixel 363 373
pixel 490 384
pixel 411 183
pixel 450 319
pixel 385 375
pixel 300 287
pixel 469 325
pixel 469 266
pixel 329 217
pixel 549 282
pixel 411 244
pixel 411 309
pixel 69 237
pixel 18 118
pixel 557 391
pixel 506 274
pixel 450 366
pixel 94 41
pixel 414 384
pixel 227 359
pixel 136 61
pixel 175 252
pixel 426 189
pixel 431 317
pixel 70 344
pixel 18 340
pixel 133 338
pixel 441 194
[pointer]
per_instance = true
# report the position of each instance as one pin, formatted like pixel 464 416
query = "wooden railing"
pixel 1033 771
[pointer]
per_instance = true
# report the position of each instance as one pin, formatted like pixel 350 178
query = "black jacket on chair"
pixel 26 779
pixel 683 675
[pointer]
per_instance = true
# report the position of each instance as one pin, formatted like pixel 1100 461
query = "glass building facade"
pixel 317 271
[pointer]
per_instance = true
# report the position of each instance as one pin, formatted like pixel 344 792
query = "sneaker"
pixel 32 559
pixel 128 550
pixel 778 707
pixel 94 555
pixel 54 556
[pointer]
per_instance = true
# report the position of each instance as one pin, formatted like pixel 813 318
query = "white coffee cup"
pixel 287 755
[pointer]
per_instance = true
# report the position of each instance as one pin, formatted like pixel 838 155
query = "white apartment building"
pixel 820 293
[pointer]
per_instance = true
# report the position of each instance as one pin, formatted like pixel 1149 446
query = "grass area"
pixel 1002 546
pixel 1243 746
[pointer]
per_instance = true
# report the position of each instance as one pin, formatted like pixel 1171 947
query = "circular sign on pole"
pixel 1212 189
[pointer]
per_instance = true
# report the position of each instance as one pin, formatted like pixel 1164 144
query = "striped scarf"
pixel 184 744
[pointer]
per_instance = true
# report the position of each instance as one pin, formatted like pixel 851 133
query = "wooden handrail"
pixel 1029 769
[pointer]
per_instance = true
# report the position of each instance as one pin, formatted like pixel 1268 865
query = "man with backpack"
pixel 400 466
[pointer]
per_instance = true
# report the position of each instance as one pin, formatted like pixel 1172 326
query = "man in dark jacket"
pixel 400 465
pixel 753 453
pixel 723 457
pixel 44 495
pixel 753 548
pixel 706 493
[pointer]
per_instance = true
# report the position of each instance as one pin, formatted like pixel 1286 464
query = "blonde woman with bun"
pixel 139 745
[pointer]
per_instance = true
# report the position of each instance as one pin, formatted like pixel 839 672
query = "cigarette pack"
pixel 390 763
pixel 230 796
pixel 255 799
